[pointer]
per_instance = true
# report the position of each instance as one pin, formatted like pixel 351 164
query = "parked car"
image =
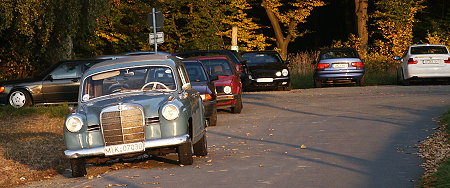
pixel 266 69
pixel 339 65
pixel 203 83
pixel 228 85
pixel 424 61
pixel 135 105
pixel 58 85
pixel 234 56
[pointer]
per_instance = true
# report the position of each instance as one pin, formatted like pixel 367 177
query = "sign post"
pixel 155 20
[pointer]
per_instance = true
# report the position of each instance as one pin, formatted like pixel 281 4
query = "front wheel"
pixel 20 98
pixel 78 167
pixel 201 147
pixel 185 153
pixel 212 121
pixel 237 109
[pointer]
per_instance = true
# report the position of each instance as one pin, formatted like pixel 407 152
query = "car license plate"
pixel 264 80
pixel 124 148
pixel 431 61
pixel 340 65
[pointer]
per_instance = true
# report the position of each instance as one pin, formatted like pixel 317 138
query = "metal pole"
pixel 154 30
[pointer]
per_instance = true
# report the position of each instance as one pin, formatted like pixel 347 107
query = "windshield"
pixel 196 72
pixel 260 58
pixel 217 67
pixel 429 50
pixel 154 78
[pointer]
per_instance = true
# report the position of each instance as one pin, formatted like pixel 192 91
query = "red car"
pixel 229 85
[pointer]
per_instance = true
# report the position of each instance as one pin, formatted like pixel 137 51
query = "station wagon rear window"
pixel 429 50
pixel 128 80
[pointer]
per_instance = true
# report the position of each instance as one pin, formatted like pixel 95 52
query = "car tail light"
pixel 447 61
pixel 240 68
pixel 322 65
pixel 411 61
pixel 358 64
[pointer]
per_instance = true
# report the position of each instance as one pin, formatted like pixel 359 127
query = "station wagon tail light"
pixel 74 123
pixel 358 64
pixel 170 112
pixel 445 61
pixel 411 61
pixel 2 89
pixel 322 65
pixel 206 97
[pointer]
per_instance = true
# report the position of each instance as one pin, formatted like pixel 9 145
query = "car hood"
pixel 151 102
pixel 20 81
pixel 224 80
pixel 202 89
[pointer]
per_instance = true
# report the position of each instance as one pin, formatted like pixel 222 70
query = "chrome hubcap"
pixel 17 99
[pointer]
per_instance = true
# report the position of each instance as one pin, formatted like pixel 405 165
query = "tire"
pixel 78 167
pixel 402 79
pixel 212 121
pixel 362 81
pixel 201 147
pixel 20 98
pixel 317 84
pixel 237 109
pixel 185 153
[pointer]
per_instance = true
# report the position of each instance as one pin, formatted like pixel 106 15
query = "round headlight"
pixel 285 72
pixel 227 89
pixel 170 112
pixel 74 123
pixel 278 73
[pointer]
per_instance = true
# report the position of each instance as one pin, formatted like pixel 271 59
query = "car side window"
pixel 183 75
pixel 67 70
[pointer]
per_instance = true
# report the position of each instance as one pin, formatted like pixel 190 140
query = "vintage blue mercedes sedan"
pixel 132 106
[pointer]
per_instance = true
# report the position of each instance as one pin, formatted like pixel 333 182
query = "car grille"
pixel 122 126
pixel 219 89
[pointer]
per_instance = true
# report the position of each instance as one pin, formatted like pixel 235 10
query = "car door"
pixel 62 84
pixel 194 103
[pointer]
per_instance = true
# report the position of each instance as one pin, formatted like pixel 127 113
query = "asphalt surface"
pixel 327 137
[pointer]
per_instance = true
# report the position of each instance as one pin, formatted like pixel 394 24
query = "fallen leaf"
pixel 303 147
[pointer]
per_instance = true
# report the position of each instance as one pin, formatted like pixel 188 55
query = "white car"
pixel 424 61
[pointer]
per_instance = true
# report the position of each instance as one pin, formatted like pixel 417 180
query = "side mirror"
pixel 287 61
pixel 186 86
pixel 397 58
pixel 50 77
pixel 213 77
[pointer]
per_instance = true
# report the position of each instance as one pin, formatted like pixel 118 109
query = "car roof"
pixel 134 61
pixel 265 51
pixel 417 45
pixel 209 57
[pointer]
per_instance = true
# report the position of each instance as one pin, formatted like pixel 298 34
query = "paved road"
pixel 354 137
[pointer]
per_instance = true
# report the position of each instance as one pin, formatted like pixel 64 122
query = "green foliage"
pixel 37 33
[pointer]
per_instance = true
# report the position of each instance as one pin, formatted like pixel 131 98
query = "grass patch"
pixel 302 81
pixel 441 178
pixel 59 111
pixel 381 78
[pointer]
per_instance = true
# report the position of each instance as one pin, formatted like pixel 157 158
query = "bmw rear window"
pixel 429 50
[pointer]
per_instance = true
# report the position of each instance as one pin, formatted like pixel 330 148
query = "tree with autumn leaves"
pixel 36 34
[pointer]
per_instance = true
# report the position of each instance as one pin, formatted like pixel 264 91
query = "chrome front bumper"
pixel 226 97
pixel 100 151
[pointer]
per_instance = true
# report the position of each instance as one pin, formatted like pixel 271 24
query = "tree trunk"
pixel 282 42
pixel 361 23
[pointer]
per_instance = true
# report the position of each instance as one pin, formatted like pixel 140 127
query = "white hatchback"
pixel 424 61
